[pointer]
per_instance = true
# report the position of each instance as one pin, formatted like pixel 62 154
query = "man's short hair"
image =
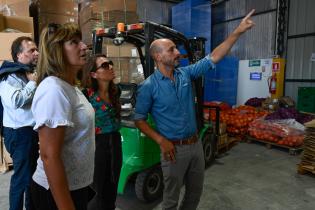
pixel 17 47
pixel 154 49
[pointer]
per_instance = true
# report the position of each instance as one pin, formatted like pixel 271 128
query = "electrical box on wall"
pixel 260 78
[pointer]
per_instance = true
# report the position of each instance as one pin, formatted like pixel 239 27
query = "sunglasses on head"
pixel 52 28
pixel 105 65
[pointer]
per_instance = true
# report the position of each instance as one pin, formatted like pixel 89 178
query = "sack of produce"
pixel 255 102
pixel 290 113
pixel 286 101
pixel 286 132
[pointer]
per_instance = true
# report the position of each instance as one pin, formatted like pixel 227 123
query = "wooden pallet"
pixel 304 169
pixel 5 159
pixel 269 145
pixel 231 142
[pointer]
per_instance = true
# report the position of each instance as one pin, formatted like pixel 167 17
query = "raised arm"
pixel 220 51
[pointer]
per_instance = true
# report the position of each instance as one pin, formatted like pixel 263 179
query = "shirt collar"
pixel 160 76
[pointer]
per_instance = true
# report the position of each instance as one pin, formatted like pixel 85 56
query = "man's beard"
pixel 176 63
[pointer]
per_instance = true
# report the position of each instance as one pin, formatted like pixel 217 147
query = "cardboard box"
pixel 6 40
pixel 126 70
pixel 223 140
pixel 20 23
pixel 15 7
pixel 222 127
pixel 87 29
pixel 5 159
pixel 125 50
pixel 111 18
pixel 23 24
pixel 46 18
pixel 62 7
pixel 94 9
pixel 101 5
pixel 91 11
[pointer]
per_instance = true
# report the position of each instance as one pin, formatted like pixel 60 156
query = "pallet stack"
pixel 308 158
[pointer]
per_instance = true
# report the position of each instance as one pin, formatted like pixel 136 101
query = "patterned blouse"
pixel 105 120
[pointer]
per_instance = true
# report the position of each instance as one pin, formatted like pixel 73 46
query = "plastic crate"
pixel 306 99
pixel 306 91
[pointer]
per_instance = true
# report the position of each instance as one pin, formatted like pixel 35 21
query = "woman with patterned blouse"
pixel 103 94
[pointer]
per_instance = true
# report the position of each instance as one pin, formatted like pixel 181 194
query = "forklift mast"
pixel 197 45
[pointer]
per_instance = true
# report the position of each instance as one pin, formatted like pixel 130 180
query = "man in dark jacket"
pixel 17 85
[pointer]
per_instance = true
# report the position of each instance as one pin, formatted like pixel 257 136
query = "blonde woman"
pixel 64 121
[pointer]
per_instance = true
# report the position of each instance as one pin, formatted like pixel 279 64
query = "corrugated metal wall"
pixel 260 41
pixel 155 10
pixel 301 44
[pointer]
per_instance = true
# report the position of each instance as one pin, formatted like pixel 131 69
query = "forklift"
pixel 141 155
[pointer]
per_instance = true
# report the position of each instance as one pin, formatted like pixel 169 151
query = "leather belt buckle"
pixel 190 140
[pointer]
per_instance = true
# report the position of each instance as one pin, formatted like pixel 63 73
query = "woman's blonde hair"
pixel 52 60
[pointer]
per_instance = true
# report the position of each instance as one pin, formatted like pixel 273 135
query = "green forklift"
pixel 141 155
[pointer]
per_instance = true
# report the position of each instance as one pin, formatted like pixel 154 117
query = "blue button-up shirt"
pixel 171 103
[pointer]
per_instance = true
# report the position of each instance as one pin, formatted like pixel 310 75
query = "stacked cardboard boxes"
pixel 5 159
pixel 14 7
pixel 101 13
pixel 126 61
pixel 57 11
pixel 24 26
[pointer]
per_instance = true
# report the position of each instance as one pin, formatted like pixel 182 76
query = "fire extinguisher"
pixel 273 84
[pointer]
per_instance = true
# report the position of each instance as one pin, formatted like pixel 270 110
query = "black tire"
pixel 209 148
pixel 149 184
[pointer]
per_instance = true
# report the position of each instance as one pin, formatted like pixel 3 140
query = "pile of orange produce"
pixel 238 119
pixel 276 132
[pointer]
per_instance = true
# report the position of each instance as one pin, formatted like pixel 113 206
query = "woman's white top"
pixel 57 103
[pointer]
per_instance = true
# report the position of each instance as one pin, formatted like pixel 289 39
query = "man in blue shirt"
pixel 168 95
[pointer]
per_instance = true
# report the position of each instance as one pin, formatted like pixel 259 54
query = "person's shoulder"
pixel 53 82
pixel 53 85
pixel 148 82
pixel 53 88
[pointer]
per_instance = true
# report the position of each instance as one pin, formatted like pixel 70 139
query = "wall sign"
pixel 254 63
pixel 255 76
pixel 275 66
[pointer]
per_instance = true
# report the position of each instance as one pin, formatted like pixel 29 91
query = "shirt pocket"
pixel 186 83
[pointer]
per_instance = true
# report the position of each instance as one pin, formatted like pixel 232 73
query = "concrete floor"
pixel 248 177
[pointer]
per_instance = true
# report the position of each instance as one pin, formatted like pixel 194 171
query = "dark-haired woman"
pixel 103 94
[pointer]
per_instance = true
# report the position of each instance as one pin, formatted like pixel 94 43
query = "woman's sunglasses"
pixel 105 65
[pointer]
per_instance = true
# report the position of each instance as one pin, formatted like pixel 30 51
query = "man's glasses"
pixel 105 65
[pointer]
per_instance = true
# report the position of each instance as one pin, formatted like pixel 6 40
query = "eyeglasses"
pixel 105 65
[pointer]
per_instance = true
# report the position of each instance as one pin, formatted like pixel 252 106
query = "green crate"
pixel 306 99
pixel 306 91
